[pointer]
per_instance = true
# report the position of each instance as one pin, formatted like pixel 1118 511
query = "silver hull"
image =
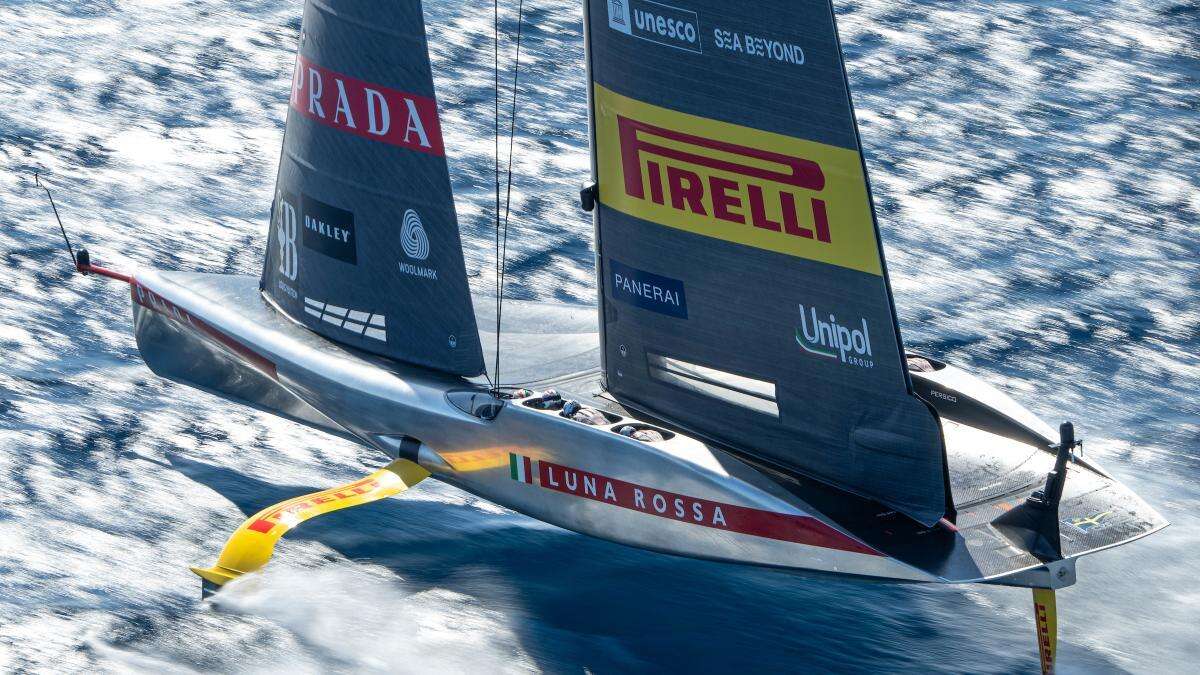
pixel 680 496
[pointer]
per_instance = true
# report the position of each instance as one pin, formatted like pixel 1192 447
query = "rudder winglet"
pixel 1045 616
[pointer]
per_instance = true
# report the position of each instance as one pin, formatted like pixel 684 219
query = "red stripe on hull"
pixel 695 511
pixel 157 303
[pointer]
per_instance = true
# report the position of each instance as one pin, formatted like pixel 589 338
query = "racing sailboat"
pixel 744 394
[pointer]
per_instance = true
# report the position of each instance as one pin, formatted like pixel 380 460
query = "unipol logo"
pixel 285 234
pixel 364 109
pixel 415 242
pixel 724 183
pixel 832 340
pixel 413 237
pixel 656 22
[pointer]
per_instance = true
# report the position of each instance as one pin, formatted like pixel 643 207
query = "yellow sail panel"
pixel 734 183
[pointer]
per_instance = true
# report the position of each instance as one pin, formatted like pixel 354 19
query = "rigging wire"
pixel 496 176
pixel 512 133
pixel 501 234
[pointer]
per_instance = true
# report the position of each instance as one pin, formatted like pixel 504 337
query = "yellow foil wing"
pixel 251 545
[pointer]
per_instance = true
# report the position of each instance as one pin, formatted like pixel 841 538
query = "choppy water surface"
pixel 1035 165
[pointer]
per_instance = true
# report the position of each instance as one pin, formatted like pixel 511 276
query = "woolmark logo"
pixel 413 237
pixel 415 243
pixel 656 22
pixel 832 340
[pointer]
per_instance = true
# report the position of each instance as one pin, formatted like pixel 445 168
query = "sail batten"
pixel 363 224
pixel 743 285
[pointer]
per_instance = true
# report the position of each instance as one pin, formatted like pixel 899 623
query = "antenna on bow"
pixel 81 260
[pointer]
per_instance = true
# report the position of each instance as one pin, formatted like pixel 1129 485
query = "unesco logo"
pixel 655 22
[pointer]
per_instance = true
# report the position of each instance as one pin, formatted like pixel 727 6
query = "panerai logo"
pixel 647 290
pixel 831 339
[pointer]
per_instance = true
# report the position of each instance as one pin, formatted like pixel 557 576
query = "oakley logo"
pixel 328 230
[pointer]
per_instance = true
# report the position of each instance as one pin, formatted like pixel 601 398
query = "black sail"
pixel 743 286
pixel 364 245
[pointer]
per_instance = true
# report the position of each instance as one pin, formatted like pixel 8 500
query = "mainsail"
pixel 364 245
pixel 743 285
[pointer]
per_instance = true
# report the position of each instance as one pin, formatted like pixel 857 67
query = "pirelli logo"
pixel 734 183
pixel 773 177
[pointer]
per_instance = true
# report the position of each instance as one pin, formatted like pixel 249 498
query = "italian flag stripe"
pixel 520 468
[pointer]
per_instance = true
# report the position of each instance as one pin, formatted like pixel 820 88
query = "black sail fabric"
pixel 743 285
pixel 364 245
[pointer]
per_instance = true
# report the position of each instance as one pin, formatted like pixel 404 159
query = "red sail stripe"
pixel 365 109
pixel 695 511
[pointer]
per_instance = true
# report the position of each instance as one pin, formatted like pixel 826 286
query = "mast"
pixel 589 193
pixel 364 246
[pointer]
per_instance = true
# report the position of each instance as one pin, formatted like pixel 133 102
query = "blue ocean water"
pixel 1037 171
